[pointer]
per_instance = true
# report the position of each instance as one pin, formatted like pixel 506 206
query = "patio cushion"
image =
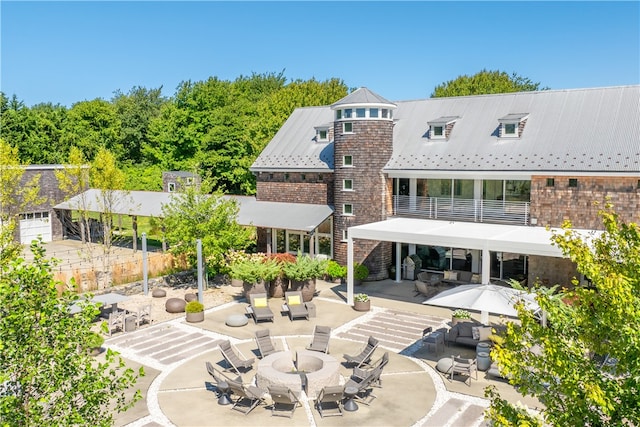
pixel 260 302
pixel 293 300
pixel 450 275
pixel 465 329
pixel 484 333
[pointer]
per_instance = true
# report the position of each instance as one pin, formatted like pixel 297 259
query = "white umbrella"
pixel 484 298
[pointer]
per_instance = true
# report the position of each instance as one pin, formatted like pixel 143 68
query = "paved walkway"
pixel 177 390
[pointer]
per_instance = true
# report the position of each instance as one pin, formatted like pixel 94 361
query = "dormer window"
pixel 322 133
pixel 512 125
pixel 441 128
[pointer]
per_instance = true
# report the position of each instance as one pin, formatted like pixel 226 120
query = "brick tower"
pixel 363 144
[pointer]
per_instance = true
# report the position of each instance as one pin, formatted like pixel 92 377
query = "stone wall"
pixel 551 205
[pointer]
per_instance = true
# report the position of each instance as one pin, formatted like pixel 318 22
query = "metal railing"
pixel 471 210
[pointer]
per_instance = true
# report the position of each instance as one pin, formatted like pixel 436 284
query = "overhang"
pixel 469 235
pixel 288 216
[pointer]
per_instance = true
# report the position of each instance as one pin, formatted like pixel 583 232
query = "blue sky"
pixel 65 52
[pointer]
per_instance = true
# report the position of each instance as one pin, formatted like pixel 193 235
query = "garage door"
pixel 34 224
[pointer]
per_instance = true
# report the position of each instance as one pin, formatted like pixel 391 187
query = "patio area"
pixel 179 392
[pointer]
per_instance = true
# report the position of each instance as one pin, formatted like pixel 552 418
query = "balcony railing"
pixel 472 210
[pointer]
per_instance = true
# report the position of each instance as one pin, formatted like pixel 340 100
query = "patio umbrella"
pixel 484 298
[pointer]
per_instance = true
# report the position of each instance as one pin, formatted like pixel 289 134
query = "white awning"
pixel 520 239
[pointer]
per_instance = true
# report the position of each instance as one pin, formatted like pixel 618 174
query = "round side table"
pixel 350 405
pixel 483 361
pixel 483 347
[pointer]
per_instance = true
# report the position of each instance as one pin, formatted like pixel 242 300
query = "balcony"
pixel 470 210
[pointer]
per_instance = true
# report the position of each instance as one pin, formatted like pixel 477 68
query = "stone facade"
pixel 553 204
pixel 370 146
pixel 178 180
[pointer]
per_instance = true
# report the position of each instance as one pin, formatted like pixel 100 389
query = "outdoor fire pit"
pixel 310 368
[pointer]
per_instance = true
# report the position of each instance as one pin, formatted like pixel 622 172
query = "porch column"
pixel 349 271
pixel 268 239
pixel 486 266
pixel 134 231
pixel 398 262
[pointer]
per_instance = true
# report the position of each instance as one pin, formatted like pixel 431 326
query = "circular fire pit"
pixel 313 368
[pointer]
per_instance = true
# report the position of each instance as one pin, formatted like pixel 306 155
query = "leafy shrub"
pixel 360 271
pixel 361 297
pixel 461 314
pixel 304 268
pixel 255 269
pixel 194 307
pixel 335 270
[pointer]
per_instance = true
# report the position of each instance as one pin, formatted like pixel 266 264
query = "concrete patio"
pixel 177 389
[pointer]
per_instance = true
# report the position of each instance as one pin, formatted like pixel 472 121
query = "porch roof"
pixel 469 235
pixel 288 216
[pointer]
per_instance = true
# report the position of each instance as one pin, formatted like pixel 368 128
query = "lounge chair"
pixel 235 361
pixel 248 396
pixel 464 367
pixel 329 401
pixel 284 400
pixel 221 381
pixel 364 357
pixel 259 308
pixel 320 341
pixel 422 288
pixel 375 371
pixel 295 305
pixel 265 345
pixel 363 386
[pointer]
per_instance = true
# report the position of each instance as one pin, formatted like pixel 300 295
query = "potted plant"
pixel 256 273
pixel 360 273
pixel 303 274
pixel 335 271
pixel 361 302
pixel 280 283
pixel 459 315
pixel 195 311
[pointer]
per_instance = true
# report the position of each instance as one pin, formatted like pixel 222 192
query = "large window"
pixel 463 189
pixel 509 190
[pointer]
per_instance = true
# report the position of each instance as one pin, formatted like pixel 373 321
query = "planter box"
pixel 195 317
pixel 307 287
pixel 362 306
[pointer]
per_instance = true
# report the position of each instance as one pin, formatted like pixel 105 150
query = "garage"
pixel 34 224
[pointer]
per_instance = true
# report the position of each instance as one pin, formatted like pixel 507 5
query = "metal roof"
pixel 294 147
pixel 362 96
pixel 579 130
pixel 290 216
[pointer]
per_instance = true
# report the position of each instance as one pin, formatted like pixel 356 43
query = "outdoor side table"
pixel 483 347
pixel 483 361
pixel 435 341
pixel 311 308
pixel 130 323
pixel 350 404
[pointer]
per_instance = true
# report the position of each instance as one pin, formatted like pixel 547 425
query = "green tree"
pixel 43 145
pixel 92 125
pixel 46 375
pixel 485 82
pixel 135 110
pixel 193 215
pixel 15 195
pixel 586 327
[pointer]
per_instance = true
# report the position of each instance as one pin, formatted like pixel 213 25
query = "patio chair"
pixel 422 288
pixel 284 400
pixel 463 366
pixel 295 305
pixel 143 315
pixel 221 382
pixel 265 345
pixel 115 321
pixel 320 341
pixel 364 357
pixel 329 401
pixel 248 397
pixel 233 359
pixel 259 308
pixel 375 371
pixel 363 386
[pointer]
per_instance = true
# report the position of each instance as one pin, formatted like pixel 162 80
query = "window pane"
pixel 510 128
pixel 517 191
pixel 280 241
pixel 294 242
pixel 438 131
pixel 348 184
pixel 439 187
pixel 347 113
pixel 348 161
pixel 348 127
pixel 325 227
pixel 373 112
pixel 324 244
pixel 348 209
pixel 385 113
pixel 492 189
pixel 360 112
pixel 338 114
pixel 421 188
pixel 463 188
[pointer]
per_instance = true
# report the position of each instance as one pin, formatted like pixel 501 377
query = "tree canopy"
pixel 485 82
pixel 583 365
pixel 47 376
pixel 216 126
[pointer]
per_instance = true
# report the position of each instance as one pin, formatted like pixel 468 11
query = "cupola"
pixel 362 104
